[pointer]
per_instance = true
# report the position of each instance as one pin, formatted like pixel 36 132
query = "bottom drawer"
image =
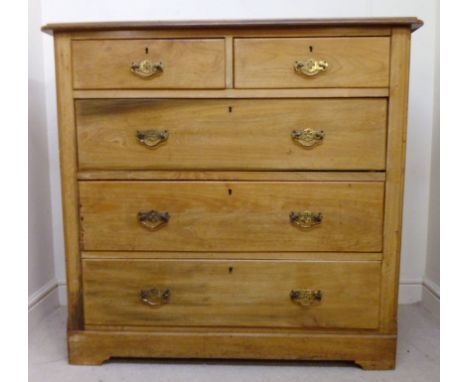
pixel 236 293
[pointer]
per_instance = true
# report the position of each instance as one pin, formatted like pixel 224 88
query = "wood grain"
pixel 353 62
pixel 229 46
pixel 232 216
pixel 396 151
pixel 304 31
pixel 281 176
pixel 232 293
pixel 278 24
pixel 236 216
pixel 92 347
pixel 68 170
pixel 232 134
pixel 236 93
pixel 317 256
pixel 188 64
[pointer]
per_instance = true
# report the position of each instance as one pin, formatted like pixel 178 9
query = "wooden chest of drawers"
pixel 233 189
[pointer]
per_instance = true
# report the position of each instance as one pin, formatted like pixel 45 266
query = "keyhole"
pixel 230 269
pixel 146 50
pixel 230 109
pixel 229 191
pixel 311 48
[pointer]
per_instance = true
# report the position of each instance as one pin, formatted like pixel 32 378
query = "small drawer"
pixel 279 294
pixel 148 64
pixel 312 62
pixel 235 216
pixel 300 134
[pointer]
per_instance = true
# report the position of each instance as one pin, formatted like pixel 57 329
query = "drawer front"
pixel 232 293
pixel 337 62
pixel 186 64
pixel 235 216
pixel 347 134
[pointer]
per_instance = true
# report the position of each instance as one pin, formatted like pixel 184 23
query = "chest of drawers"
pixel 233 189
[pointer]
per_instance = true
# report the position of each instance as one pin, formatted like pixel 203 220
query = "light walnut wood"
pixel 68 170
pixel 281 176
pixel 232 134
pixel 221 216
pixel 396 151
pixel 353 62
pixel 93 347
pixel 229 46
pixel 235 93
pixel 188 64
pixel 235 32
pixel 232 293
pixel 237 215
pixel 317 256
pixel 279 25
pixel 223 329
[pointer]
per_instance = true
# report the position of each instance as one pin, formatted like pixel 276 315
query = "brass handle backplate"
pixel 306 297
pixel 155 296
pixel 308 137
pixel 152 138
pixel 153 220
pixel 310 67
pixel 147 68
pixel 305 219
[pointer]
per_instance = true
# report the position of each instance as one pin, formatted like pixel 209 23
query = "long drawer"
pixel 148 64
pixel 314 134
pixel 311 62
pixel 288 294
pixel 232 216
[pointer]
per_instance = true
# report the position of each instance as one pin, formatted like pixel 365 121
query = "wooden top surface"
pixel 410 22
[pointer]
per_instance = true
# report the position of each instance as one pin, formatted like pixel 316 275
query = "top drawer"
pixel 312 62
pixel 157 64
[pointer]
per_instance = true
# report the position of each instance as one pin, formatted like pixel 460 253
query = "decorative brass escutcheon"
pixel 306 297
pixel 155 296
pixel 308 137
pixel 305 219
pixel 152 138
pixel 310 67
pixel 146 68
pixel 153 220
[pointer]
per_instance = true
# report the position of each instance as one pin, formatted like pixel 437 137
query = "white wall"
pixel 42 282
pixel 421 102
pixel 431 283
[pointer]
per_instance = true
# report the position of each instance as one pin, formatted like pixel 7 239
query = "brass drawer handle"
pixel 306 297
pixel 310 67
pixel 146 68
pixel 308 137
pixel 153 220
pixel 155 296
pixel 152 138
pixel 305 219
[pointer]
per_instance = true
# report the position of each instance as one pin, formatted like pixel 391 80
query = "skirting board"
pixel 42 302
pixel 431 297
pixel 410 292
pixel 62 293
